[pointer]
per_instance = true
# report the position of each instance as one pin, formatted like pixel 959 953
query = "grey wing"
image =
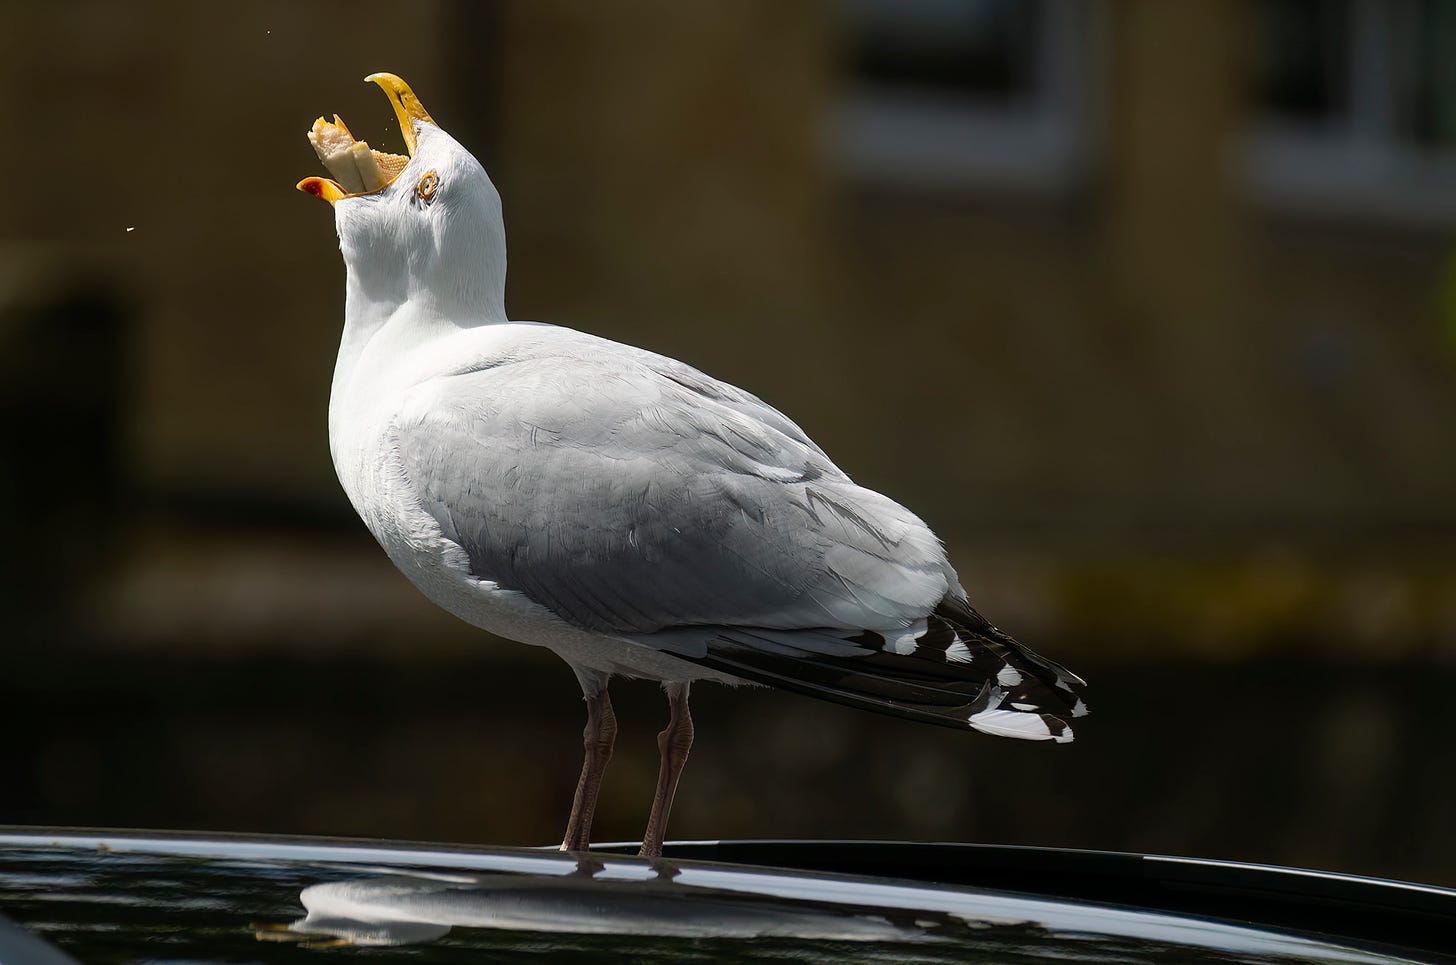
pixel 650 503
pixel 731 396
pixel 629 497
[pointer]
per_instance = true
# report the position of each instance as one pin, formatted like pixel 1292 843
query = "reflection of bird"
pixel 623 509
pixel 407 909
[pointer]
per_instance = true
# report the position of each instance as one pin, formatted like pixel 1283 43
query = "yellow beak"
pixel 407 106
pixel 365 171
pixel 323 188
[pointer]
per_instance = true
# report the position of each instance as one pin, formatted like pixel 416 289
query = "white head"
pixel 431 233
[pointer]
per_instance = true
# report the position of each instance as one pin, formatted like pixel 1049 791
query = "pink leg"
pixel 597 740
pixel 674 744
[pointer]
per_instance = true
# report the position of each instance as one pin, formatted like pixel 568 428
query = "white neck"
pixel 419 271
pixel 397 298
pixel 381 337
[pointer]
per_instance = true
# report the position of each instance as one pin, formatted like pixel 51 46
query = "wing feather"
pixel 636 497
pixel 630 494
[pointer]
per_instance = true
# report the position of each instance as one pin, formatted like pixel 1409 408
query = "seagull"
pixel 637 517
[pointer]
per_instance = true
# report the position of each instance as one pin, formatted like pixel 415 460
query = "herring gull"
pixel 618 507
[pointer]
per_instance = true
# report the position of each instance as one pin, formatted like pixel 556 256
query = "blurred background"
pixel 1148 308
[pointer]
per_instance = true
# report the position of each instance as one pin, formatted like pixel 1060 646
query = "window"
pixel 965 92
pixel 1356 105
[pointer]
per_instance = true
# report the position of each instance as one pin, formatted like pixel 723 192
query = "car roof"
pixel 102 895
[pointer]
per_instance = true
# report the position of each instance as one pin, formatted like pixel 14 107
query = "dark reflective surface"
pixel 117 898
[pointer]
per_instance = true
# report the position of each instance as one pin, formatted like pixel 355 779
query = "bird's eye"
pixel 427 186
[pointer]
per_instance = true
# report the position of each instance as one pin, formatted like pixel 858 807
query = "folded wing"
pixel 628 500
pixel 636 497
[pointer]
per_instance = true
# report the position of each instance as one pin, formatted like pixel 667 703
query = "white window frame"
pixel 901 135
pixel 1364 167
